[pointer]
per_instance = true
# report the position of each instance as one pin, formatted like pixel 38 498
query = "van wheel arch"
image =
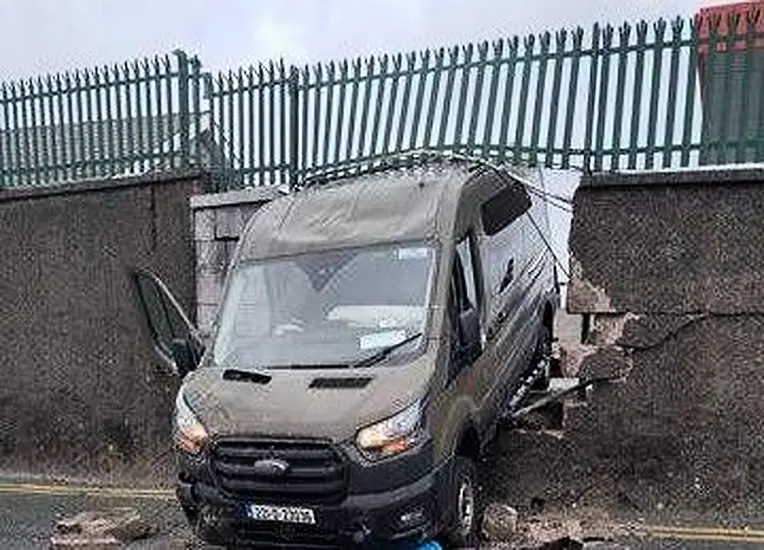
pixel 469 445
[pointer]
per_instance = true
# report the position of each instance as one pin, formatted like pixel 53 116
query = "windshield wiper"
pixel 384 352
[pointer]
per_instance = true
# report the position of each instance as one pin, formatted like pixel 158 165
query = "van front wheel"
pixel 466 508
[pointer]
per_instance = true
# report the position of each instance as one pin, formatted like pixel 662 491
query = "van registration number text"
pixel 281 514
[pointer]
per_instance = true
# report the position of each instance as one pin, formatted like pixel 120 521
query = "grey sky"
pixel 39 36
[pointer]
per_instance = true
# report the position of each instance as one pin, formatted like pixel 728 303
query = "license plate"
pixel 281 514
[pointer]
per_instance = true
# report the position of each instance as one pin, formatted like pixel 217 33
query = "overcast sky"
pixel 39 36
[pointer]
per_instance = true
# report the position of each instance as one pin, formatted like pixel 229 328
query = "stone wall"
pixel 82 391
pixel 670 269
pixel 218 221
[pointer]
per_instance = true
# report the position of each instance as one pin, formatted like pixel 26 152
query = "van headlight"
pixel 188 433
pixel 393 435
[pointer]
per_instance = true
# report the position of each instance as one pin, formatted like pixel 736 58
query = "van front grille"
pixel 316 474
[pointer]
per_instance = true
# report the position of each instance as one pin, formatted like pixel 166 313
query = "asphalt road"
pixel 27 515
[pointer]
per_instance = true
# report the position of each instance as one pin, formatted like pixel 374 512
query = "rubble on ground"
pixel 503 530
pixel 100 530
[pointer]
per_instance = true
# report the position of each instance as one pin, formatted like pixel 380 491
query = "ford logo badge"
pixel 271 467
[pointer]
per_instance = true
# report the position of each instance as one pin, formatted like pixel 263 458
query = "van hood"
pixel 323 403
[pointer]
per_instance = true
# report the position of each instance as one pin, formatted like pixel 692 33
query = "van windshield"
pixel 329 308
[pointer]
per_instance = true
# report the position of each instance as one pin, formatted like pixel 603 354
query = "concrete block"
pixel 230 247
pixel 229 222
pixel 102 529
pixel 499 522
pixel 212 255
pixel 204 225
pixel 607 361
pixel 205 317
pixel 209 286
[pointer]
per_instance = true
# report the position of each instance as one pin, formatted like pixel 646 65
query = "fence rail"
pixel 661 94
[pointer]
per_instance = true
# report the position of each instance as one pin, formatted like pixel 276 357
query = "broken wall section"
pixel 669 267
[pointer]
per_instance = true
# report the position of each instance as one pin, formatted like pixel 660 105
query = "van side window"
pixel 464 311
pixel 503 257
pixel 464 252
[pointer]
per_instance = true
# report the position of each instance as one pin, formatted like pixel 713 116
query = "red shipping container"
pixel 707 16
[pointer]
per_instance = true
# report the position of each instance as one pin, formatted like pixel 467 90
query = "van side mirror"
pixel 183 356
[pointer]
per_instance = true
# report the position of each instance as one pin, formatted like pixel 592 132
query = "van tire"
pixel 543 351
pixel 463 532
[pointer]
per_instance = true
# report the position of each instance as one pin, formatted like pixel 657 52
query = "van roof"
pixel 392 205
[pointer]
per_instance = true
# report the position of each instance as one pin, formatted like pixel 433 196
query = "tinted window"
pixel 464 250
pixel 504 208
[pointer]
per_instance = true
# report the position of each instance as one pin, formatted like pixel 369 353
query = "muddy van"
pixel 371 331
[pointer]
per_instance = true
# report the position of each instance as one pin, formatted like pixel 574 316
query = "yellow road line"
pixel 706 530
pixel 707 537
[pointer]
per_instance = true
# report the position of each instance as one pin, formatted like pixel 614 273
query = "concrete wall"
pixel 670 267
pixel 82 392
pixel 218 221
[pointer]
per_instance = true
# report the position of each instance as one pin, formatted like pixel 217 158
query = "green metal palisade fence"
pixel 625 97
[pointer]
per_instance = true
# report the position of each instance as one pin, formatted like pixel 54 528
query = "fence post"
pixel 294 127
pixel 184 98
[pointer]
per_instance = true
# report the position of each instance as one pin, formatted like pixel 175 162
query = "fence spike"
pixel 578 37
pixel 529 42
pixel 642 28
pixel 545 39
pixel 753 16
pixel 660 28
pixel 607 36
pixel 483 49
pixel 397 62
pixel 714 24
pixel 453 54
pixel 411 60
pixel 677 26
pixel 624 33
pixel 344 69
pixel 468 50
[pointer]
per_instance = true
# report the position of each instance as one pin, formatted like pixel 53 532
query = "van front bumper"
pixel 409 514
pixel 399 500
